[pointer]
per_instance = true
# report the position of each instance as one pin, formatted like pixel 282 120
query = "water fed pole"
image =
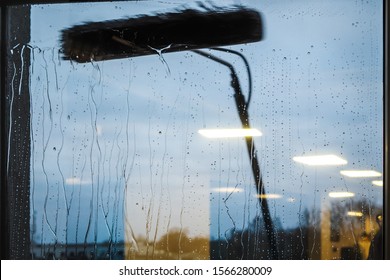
pixel 183 30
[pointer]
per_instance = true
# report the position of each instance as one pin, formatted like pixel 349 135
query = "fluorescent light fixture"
pixel 360 173
pixel 341 194
pixel 320 160
pixel 227 190
pixel 269 196
pixel 72 181
pixel 355 214
pixel 76 181
pixel 230 133
pixel 378 183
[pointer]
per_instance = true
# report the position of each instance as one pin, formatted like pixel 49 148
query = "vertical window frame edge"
pixel 15 217
pixel 4 225
pixel 386 128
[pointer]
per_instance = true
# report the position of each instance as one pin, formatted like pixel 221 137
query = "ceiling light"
pixel 230 133
pixel 360 173
pixel 72 181
pixel 76 181
pixel 378 183
pixel 269 196
pixel 320 160
pixel 341 194
pixel 355 214
pixel 227 190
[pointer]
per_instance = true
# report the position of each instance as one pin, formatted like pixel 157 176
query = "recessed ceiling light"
pixel 360 173
pixel 355 214
pixel 341 194
pixel 269 196
pixel 227 190
pixel 230 133
pixel 72 181
pixel 378 183
pixel 76 181
pixel 320 160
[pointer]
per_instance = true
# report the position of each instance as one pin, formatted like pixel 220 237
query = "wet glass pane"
pixel 124 162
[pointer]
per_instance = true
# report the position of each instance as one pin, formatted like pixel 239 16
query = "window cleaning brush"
pixel 176 31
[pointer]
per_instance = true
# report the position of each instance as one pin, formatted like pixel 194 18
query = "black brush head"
pixel 177 31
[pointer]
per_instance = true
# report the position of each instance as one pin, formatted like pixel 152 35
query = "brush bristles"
pixel 143 35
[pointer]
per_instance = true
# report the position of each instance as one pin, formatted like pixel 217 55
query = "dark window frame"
pixel 6 186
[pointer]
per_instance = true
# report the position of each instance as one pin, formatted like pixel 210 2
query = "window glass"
pixel 120 166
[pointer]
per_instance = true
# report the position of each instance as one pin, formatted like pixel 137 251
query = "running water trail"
pixel 162 59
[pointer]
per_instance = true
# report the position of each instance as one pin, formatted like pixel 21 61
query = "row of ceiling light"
pixel 317 160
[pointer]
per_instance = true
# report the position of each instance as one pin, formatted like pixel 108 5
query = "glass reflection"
pixel 119 170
